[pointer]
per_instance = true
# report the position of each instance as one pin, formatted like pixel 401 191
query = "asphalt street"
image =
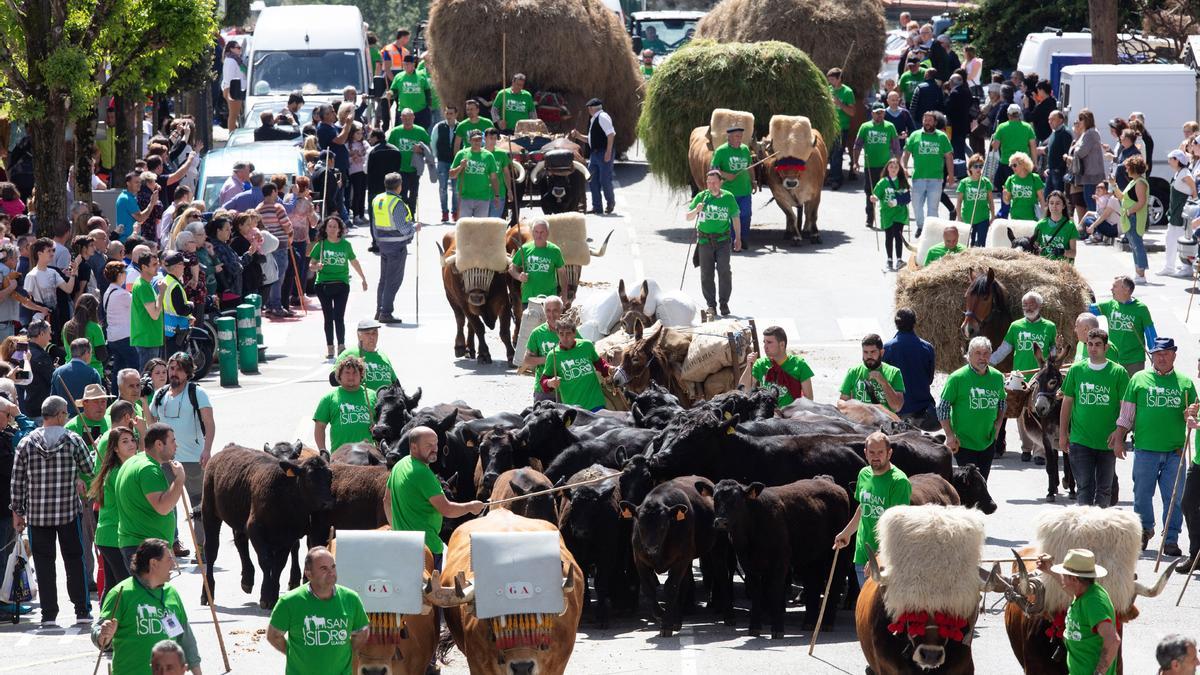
pixel 826 296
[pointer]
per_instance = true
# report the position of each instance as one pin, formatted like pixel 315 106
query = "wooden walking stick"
pixel 1187 444
pixel 1187 580
pixel 1192 295
pixel 552 490
pixel 212 606
pixel 812 644
pixel 298 280
pixel 117 613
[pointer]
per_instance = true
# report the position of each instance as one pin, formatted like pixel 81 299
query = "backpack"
pixel 191 391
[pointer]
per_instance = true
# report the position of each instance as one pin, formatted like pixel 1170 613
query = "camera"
pixel 147 386
pixel 1057 251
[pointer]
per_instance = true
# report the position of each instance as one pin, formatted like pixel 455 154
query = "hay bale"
pixel 1114 535
pixel 722 119
pixel 578 48
pixel 791 136
pixel 720 382
pixel 763 79
pixel 932 235
pixel 569 232
pixel 929 555
pixel 935 293
pixel 998 233
pixel 479 244
pixel 834 33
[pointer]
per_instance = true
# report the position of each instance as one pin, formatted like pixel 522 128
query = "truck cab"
pixel 663 32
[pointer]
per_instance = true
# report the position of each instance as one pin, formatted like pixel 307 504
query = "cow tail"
pixel 445 644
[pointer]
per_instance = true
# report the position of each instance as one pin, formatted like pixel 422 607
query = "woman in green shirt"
pixel 573 368
pixel 332 258
pixel 1134 200
pixel 121 445
pixel 1055 235
pixel 83 324
pixel 975 206
pixel 1023 191
pixel 892 195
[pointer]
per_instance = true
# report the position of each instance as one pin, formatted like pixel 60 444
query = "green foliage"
pixel 383 17
pixel 998 27
pixel 763 78
pixel 152 41
pixel 237 12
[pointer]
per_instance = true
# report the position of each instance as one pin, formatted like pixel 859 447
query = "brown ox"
pixel 795 175
pixel 474 637
pixel 409 646
pixel 478 307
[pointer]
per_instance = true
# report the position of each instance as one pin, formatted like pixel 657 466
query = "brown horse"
pixel 985 310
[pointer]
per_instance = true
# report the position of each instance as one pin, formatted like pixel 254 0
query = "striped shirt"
pixel 275 220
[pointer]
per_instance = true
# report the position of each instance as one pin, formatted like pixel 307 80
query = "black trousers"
pixel 358 193
pixel 333 297
pixel 70 540
pixel 115 569
pixel 1191 508
pixel 980 458
pixel 871 176
pixel 894 240
pixel 410 185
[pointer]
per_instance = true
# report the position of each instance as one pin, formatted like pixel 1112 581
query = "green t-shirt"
pixel 647 72
pixel 380 372
pixel 735 161
pixel 410 90
pixel 1022 196
pixel 890 212
pixel 1160 400
pixel 928 150
pixel 413 484
pixel 977 195
pixel 1080 633
pixel 908 84
pixel 503 159
pixel 542 265
pixel 1014 136
pixel 349 415
pixel 139 476
pixel 789 375
pixel 1023 334
pixel 335 260
pixel 579 384
pixel 467 126
pixel 1127 324
pixel 515 107
pixel 876 494
pixel 940 251
pixel 1096 401
pixel 95 336
pixel 1050 235
pixel 110 513
pixel 143 330
pixel 475 181
pixel 974 401
pixel 405 140
pixel 859 386
pixel 96 431
pixel 718 212
pixel 845 95
pixel 140 622
pixel 541 342
pixel 319 631
pixel 877 142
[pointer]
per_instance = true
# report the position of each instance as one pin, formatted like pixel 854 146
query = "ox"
pixel 560 177
pixel 795 172
pixel 475 637
pixel 477 307
pixel 267 502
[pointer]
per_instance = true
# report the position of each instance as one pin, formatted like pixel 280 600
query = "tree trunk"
pixel 123 107
pixel 1103 18
pixel 50 165
pixel 85 143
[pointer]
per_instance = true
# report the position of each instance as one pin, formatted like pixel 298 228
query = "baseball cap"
pixel 736 127
pixel 1014 109
pixel 368 324
pixel 1178 155
pixel 173 258
pixel 1163 344
pixel 475 133
pixel 877 106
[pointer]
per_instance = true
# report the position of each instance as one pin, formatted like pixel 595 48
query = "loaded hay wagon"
pixel 554 172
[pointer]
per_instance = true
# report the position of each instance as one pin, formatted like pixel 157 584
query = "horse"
pixel 644 363
pixel 985 309
pixel 1041 415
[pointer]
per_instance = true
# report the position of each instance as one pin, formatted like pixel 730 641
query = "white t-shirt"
pixel 116 304
pixel 40 285
pixel 230 70
pixel 178 413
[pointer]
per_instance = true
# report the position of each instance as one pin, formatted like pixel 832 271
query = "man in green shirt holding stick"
pixel 716 211
pixel 1087 422
pixel 539 265
pixel 513 105
pixel 1090 629
pixel 733 159
pixel 971 410
pixel 879 487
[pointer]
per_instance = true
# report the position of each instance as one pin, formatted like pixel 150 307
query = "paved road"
pixel 826 296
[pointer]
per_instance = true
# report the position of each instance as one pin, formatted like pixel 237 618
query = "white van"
pixel 317 50
pixel 1038 49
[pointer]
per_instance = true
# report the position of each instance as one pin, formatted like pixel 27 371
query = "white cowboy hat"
pixel 1080 562
pixel 93 392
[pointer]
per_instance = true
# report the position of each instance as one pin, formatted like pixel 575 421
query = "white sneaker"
pixel 1164 272
pixel 1140 281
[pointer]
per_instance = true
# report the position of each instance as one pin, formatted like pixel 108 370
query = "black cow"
pixel 591 526
pixel 360 454
pixel 654 407
pixel 441 423
pixel 774 529
pixel 672 527
pixel 393 409
pixel 759 404
pixel 972 488
pixel 713 447
pixel 463 449
pixel 636 481
pixel 551 428
pixel 498 452
pixel 609 449
pixel 267 502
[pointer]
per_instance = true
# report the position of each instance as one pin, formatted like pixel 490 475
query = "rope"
pixel 560 488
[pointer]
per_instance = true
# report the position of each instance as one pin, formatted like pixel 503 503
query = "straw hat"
pixel 93 392
pixel 1080 562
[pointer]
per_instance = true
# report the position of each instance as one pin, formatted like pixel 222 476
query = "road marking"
pixel 855 327
pixel 687 655
pixel 635 250
pixel 26 666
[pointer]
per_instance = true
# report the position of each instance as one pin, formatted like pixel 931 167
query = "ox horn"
pixel 440 596
pixel 583 170
pixel 536 171
pixel 993 581
pixel 1023 585
pixel 603 247
pixel 520 171
pixel 873 566
pixel 568 584
pixel 1152 591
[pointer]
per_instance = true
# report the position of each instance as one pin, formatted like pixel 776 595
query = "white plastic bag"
pixel 20 581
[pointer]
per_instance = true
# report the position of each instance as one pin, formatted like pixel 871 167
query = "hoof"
pixel 264 603
pixel 248 585
pixel 664 632
pixel 1071 494
pixel 203 600
pixel 1051 498
pixel 776 635
pixel 815 239
pixel 485 359
pixel 460 352
pixel 755 631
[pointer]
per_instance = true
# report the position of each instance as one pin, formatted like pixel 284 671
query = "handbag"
pixel 20 580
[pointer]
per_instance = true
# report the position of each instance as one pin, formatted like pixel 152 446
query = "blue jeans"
pixel 860 571
pixel 1054 181
pixel 979 233
pixel 495 210
pixel 745 211
pixel 1138 248
pixel 1151 470
pixel 1093 470
pixel 447 194
pixel 602 180
pixel 391 275
pixel 1104 229
pixel 1089 196
pixel 144 354
pixel 836 151
pixel 281 262
pixel 926 193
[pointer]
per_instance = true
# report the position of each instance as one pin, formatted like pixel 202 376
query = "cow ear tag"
pixel 626 513
pixel 291 474
pixel 680 515
pixel 729 431
pixel 470 444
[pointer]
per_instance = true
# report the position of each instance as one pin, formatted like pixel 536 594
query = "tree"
pixel 1103 21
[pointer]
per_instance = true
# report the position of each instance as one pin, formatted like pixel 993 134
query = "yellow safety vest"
pixel 173 320
pixel 381 211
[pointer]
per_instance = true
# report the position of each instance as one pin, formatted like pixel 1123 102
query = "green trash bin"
pixel 227 355
pixel 247 343
pixel 256 300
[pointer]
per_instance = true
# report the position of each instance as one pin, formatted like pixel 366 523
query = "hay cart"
pixel 535 149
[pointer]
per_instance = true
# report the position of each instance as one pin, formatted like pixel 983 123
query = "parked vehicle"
pixel 893 50
pixel 269 158
pixel 672 30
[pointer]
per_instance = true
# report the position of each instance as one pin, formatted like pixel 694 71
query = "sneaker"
pixel 1026 456
pixel 597 212
pixel 1147 535
pixel 329 353
pixel 1140 281
pixel 81 619
pixel 891 265
pixel 609 208
pixel 953 214
pixel 48 624
pixel 1184 566
pixel 1171 549
pixel 711 313
pixel 900 265
pixel 386 318
pixel 286 311
pixel 454 216
pixel 1165 272
pixel 1040 461
pixel 724 309
pixel 917 235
